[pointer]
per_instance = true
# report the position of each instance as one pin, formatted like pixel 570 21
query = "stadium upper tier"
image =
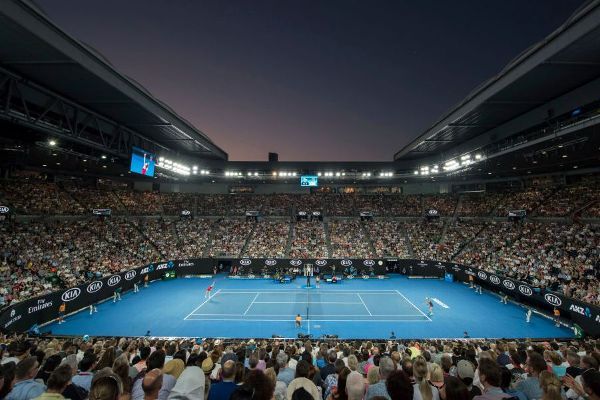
pixel 43 254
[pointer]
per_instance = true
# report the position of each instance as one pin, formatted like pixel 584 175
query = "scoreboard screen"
pixel 309 181
pixel 142 162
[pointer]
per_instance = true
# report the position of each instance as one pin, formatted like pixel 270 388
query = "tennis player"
pixel 208 290
pixel 429 306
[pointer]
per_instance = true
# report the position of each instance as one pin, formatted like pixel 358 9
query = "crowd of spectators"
pixel 269 239
pixel 528 200
pixel 568 199
pixel 389 238
pixel 47 253
pixel 445 204
pixel 349 239
pixel 229 237
pixel 35 198
pixel 478 204
pixel 147 368
pixel 308 240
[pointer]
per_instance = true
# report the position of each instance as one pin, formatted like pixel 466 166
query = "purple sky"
pixel 313 81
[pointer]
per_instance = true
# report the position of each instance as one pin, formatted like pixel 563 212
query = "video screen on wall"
pixel 309 180
pixel 142 162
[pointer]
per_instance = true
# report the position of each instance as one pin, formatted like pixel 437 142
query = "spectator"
pixel 84 378
pixel 422 389
pixel 222 390
pixel 490 377
pixel 531 386
pixel 454 389
pixel 386 366
pixel 190 385
pixel 356 387
pixel 155 361
pixel 25 388
pixel 551 387
pixel 57 383
pixel 152 383
pixel 301 382
pixel 286 375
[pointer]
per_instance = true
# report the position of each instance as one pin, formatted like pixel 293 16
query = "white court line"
pixel 319 315
pixel 363 302
pixel 304 291
pixel 295 302
pixel 248 309
pixel 313 320
pixel 410 302
pixel 205 301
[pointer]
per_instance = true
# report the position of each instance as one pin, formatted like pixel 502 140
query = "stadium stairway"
pixel 248 239
pixel 367 234
pixel 290 238
pixel 407 240
pixel 209 240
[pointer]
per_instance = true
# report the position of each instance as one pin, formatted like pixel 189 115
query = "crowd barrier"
pixel 22 316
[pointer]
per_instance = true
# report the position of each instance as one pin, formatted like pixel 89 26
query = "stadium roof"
pixel 567 59
pixel 36 49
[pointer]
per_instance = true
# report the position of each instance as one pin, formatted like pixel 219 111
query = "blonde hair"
pixel 352 362
pixel 550 385
pixel 420 372
pixel 436 373
pixel 373 375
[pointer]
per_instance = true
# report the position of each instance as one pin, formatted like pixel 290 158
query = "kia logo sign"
pixel 4 210
pixel 346 263
pixel 270 262
pixel 494 279
pixel 526 290
pixel 553 299
pixel 321 263
pixel 508 284
pixel 369 263
pixel 71 294
pixel 129 275
pixel 114 280
pixel 482 275
pixel 94 287
pixel 295 263
pixel 245 261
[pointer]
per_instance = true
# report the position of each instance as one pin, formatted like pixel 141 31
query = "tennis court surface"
pixel 315 305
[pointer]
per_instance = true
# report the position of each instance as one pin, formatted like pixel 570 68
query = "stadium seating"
pixel 43 254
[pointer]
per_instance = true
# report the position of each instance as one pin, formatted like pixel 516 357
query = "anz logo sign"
pixel 482 275
pixel 553 299
pixel 526 290
pixel 494 279
pixel 114 280
pixel 270 262
pixel 295 263
pixel 129 275
pixel 508 284
pixel 94 286
pixel 245 262
pixel 369 263
pixel 346 263
pixel 321 263
pixel 71 294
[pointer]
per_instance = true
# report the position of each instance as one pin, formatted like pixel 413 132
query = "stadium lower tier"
pixel 353 273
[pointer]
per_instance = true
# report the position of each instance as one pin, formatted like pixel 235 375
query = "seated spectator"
pixel 386 367
pixel 454 389
pixel 152 383
pixel 286 374
pixel 222 390
pixel 301 382
pixel 490 377
pixel 155 361
pixel 422 389
pixel 356 387
pixel 57 382
pixel 531 386
pixel 190 385
pixel 84 378
pixel 25 387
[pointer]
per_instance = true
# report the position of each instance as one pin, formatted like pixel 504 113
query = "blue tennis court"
pixel 350 309
pixel 314 305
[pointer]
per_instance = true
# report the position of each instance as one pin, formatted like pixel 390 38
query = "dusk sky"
pixel 312 81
